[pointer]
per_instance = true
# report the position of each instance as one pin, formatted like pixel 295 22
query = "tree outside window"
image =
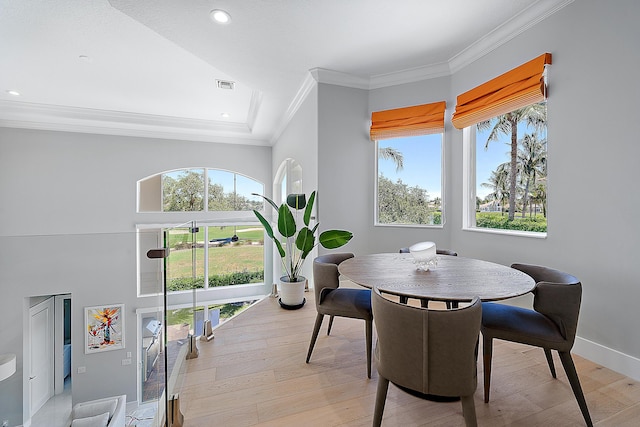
pixel 409 181
pixel 511 170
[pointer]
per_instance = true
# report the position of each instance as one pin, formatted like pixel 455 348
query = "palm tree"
pixel 532 158
pixel 499 183
pixel 389 153
pixel 539 195
pixel 535 116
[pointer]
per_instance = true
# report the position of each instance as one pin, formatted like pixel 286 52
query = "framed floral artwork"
pixel 104 328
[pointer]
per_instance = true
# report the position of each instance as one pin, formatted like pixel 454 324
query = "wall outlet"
pixel 126 362
pixel 82 369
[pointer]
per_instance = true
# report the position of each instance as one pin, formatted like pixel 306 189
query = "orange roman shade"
pixel 522 86
pixel 409 121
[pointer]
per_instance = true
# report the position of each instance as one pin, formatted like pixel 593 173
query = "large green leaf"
pixel 332 239
pixel 269 230
pixel 286 221
pixel 305 241
pixel 265 223
pixel 280 248
pixel 307 211
pixel 297 201
pixel 271 202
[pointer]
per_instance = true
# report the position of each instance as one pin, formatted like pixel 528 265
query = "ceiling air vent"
pixel 225 84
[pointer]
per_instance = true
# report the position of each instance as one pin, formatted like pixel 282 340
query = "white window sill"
pixel 516 233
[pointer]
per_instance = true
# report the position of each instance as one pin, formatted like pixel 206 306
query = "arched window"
pixel 186 190
pixel 215 244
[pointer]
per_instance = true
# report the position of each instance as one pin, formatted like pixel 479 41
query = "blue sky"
pixel 422 162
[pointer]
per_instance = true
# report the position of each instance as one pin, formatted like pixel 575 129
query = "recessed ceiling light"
pixel 225 115
pixel 220 16
pixel 84 58
pixel 13 92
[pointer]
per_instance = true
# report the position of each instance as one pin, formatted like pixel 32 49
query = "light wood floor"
pixel 254 373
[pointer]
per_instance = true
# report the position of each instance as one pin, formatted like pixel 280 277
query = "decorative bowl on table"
pixel 424 255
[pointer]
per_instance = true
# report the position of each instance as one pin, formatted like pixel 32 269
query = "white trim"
pixel 332 77
pixel 410 75
pixel 517 233
pixel 86 120
pixel 468 178
pixel 304 91
pixel 613 359
pixel 526 19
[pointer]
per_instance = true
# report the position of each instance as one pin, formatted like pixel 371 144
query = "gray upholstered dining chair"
pixel 424 302
pixel 335 301
pixel 426 352
pixel 551 324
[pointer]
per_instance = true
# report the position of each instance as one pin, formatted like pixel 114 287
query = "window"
pixel 409 181
pixel 505 146
pixel 222 249
pixel 408 144
pixel 184 190
pixel 508 198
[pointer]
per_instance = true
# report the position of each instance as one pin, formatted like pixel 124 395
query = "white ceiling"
pixel 152 65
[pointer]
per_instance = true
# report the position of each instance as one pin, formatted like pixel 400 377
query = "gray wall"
pixel 68 217
pixel 593 152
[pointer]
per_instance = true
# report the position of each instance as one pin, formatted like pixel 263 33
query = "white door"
pixel 41 328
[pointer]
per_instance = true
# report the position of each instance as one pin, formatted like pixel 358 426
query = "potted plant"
pixel 299 243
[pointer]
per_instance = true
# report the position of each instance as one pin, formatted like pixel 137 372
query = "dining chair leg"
pixel 314 336
pixel 381 397
pixel 487 353
pixel 572 375
pixel 369 340
pixel 552 367
pixel 330 325
pixel 469 411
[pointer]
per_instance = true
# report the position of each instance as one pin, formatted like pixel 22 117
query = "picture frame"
pixel 104 328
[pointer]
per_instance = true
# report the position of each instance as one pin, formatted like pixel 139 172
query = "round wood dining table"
pixel 454 278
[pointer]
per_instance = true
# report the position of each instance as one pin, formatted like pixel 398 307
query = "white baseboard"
pixel 609 358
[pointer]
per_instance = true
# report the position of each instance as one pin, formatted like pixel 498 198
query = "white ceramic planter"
pixel 292 293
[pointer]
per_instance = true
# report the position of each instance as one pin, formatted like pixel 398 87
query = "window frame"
pixel 376 221
pixel 469 176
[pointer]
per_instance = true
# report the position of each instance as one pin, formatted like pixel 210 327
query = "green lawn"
pixel 222 260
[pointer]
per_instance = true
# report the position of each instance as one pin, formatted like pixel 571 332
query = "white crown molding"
pixel 323 75
pixel 308 84
pixel 526 19
pixel 85 120
pixel 410 75
pixel 254 107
